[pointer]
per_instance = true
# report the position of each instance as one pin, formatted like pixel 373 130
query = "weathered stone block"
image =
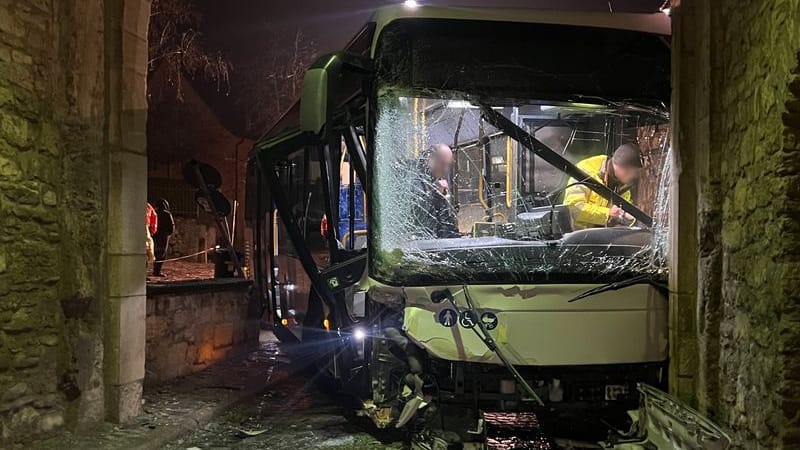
pixel 23 361
pixel 9 169
pixel 9 24
pixel 127 186
pixel 15 130
pixel 132 336
pixel 23 319
pixel 197 332
pixel 22 193
pixel 157 328
pixel 223 335
pixel 124 401
pixel 49 139
pixel 51 421
pixel 50 198
pixel 14 392
pixel 21 57
pixel 49 340
pixel 182 319
pixel 127 275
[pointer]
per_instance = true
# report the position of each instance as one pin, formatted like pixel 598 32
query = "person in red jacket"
pixel 151 224
pixel 151 220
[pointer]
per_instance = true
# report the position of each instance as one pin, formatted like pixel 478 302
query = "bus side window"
pixel 352 226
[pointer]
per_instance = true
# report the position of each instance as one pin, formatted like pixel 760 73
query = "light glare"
pixel 460 104
pixel 413 4
pixel 359 334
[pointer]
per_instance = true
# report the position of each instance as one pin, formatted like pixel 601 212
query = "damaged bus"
pixel 412 224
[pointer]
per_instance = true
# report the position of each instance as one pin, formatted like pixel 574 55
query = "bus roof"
pixel 655 23
pixel 366 39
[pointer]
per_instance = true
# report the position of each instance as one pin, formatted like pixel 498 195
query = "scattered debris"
pixel 223 386
pixel 247 433
pixel 337 441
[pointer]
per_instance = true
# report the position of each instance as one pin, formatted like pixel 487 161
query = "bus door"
pixel 314 235
pixel 302 184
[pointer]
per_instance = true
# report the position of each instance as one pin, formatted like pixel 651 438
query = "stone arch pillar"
pixel 126 23
pixel 736 270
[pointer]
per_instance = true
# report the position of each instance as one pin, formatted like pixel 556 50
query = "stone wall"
pixel 192 235
pixel 65 101
pixel 738 265
pixel 191 327
pixel 51 196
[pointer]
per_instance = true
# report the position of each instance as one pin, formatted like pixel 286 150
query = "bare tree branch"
pixel 176 48
pixel 271 84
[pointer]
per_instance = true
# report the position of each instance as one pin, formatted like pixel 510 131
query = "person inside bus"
pixel 350 237
pixel 618 172
pixel 436 212
pixel 347 238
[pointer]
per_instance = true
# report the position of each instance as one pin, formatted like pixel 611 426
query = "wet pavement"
pixel 180 405
pixel 265 401
pixel 292 413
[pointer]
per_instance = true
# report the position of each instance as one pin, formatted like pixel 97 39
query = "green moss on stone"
pixel 15 130
pixel 9 169
pixel 49 139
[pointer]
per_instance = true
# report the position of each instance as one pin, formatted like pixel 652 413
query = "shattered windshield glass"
pixel 458 199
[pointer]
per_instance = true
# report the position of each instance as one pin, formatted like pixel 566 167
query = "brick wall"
pixel 190 329
pixel 739 239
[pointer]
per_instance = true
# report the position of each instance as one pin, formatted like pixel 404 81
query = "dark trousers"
pixel 160 250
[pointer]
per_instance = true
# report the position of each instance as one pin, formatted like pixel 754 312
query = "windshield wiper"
pixel 638 279
pixel 559 162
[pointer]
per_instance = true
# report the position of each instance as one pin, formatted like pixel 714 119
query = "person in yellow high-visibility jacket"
pixel 619 172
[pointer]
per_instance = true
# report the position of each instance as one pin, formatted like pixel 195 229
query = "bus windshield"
pixel 459 198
